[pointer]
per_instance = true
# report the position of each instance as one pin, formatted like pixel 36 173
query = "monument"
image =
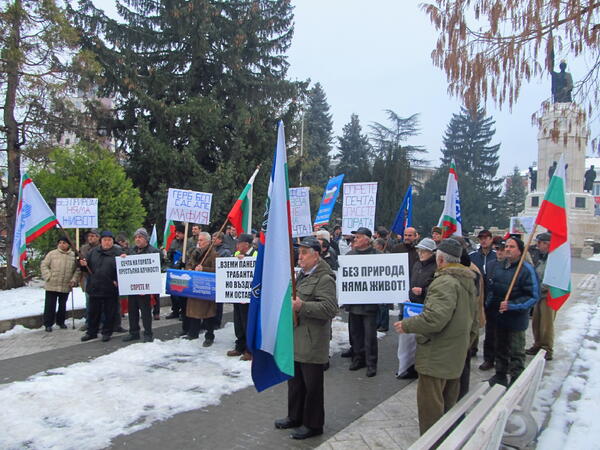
pixel 563 130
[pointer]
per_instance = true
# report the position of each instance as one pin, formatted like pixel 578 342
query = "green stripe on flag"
pixel 555 192
pixel 39 226
pixel 284 347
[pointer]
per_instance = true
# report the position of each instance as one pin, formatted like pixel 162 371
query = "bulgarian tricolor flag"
pixel 553 217
pixel 450 220
pixel 270 332
pixel 240 215
pixel 34 218
pixel 169 234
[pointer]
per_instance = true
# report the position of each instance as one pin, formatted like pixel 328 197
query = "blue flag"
pixel 404 216
pixel 332 190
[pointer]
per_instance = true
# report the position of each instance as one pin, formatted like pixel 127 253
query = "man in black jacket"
pixel 102 286
pixel 174 258
pixel 141 303
pixel 362 319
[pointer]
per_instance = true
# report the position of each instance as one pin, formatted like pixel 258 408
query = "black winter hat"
pixel 106 233
pixel 451 247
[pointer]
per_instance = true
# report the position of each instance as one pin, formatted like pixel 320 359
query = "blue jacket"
pixel 524 295
pixel 485 264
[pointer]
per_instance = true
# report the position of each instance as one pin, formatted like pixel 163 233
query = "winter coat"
pixel 363 310
pixel 413 256
pixel 174 254
pixel 196 307
pixel 84 251
pixel 313 332
pixel 485 264
pixel 223 252
pixel 422 276
pixel 524 295
pixel 539 269
pixel 59 269
pixel 102 272
pixel 447 325
pixel 479 284
pixel 331 259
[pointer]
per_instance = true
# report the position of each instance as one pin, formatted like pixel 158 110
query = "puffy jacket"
pixel 421 276
pixel 102 273
pixel 59 269
pixel 524 295
pixel 313 332
pixel 447 324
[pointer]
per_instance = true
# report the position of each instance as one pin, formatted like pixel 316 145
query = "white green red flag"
pixel 240 215
pixel 270 331
pixel 34 218
pixel 169 234
pixel 553 216
pixel 154 237
pixel 450 220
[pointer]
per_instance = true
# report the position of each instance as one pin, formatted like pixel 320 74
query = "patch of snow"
pixel 595 257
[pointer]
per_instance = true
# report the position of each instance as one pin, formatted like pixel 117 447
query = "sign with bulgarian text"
pixel 190 283
pixel 360 201
pixel 77 212
pixel 372 279
pixel 300 212
pixel 139 274
pixel 188 206
pixel 332 191
pixel 234 279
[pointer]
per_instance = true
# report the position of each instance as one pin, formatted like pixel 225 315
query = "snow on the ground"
pixel 573 402
pixel 29 300
pixel 85 405
pixel 596 257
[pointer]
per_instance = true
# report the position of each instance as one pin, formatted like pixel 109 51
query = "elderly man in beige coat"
pixel 61 273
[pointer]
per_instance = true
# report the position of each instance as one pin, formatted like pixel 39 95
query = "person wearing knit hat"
pixel 140 303
pixel 436 234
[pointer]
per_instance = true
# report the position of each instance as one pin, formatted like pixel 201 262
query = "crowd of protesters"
pixel 463 288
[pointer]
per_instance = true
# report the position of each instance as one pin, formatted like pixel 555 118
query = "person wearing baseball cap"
pixel 315 306
pixel 362 319
pixel 542 322
pixel 485 259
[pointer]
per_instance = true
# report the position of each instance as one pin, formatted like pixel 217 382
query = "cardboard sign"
pixel 300 212
pixel 373 279
pixel 77 212
pixel 234 279
pixel 188 206
pixel 139 274
pixel 360 201
pixel 522 224
pixel 190 283
pixel 332 190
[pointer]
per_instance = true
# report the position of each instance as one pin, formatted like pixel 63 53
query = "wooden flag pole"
pixel 77 238
pixel 184 243
pixel 212 243
pixel 293 274
pixel 525 250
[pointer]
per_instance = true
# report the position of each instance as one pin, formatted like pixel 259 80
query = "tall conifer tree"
pixel 354 153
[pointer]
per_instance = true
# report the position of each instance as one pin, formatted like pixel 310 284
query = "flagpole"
pixel 185 242
pixel 293 274
pixel 212 242
pixel 525 250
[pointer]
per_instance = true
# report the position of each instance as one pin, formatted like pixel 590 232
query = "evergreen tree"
pixel 427 202
pixel 199 87
pixel 393 159
pixel 354 157
pixel 513 200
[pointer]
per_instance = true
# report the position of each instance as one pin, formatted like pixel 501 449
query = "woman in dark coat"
pixel 422 271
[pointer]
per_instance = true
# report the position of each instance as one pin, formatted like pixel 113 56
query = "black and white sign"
pixel 77 212
pixel 139 274
pixel 234 278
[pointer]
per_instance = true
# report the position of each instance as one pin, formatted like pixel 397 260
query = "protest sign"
pixel 234 279
pixel 372 279
pixel 188 206
pixel 190 283
pixel 300 212
pixel 332 190
pixel 359 206
pixel 139 274
pixel 77 212
pixel 522 225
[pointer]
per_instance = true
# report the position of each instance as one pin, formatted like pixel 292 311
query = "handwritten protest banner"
pixel 234 279
pixel 359 206
pixel 139 274
pixel 77 212
pixel 188 206
pixel 522 225
pixel 300 212
pixel 189 283
pixel 368 279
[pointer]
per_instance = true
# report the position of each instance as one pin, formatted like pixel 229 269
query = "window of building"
pixel 535 202
pixel 580 202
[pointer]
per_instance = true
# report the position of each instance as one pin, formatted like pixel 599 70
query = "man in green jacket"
pixel 314 306
pixel 444 330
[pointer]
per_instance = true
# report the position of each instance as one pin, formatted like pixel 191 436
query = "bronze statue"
pixel 562 84
pixel 533 179
pixel 551 170
pixel 590 177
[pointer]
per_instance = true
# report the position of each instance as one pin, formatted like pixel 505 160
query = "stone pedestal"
pixel 563 130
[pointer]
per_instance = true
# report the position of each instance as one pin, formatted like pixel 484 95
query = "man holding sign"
pixel 141 303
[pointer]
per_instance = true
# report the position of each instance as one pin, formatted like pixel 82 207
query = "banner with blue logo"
pixel 190 283
pixel 332 190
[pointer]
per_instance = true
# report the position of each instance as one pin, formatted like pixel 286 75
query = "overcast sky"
pixel 373 56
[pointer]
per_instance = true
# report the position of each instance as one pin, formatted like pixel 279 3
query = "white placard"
pixel 77 212
pixel 300 212
pixel 360 201
pixel 139 274
pixel 188 206
pixel 373 279
pixel 522 224
pixel 233 278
